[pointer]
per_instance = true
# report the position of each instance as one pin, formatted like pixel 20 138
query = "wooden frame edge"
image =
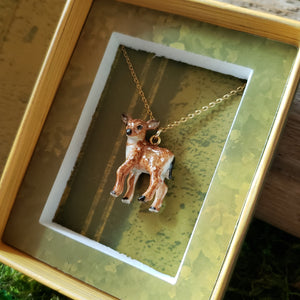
pixel 50 277
pixel 49 78
pixel 230 16
pixel 249 207
pixel 53 68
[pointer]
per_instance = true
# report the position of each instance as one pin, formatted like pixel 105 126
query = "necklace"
pixel 145 157
pixel 155 139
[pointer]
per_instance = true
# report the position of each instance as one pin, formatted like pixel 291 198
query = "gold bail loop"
pixel 155 139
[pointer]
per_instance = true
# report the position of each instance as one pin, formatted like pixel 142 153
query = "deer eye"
pixel 139 127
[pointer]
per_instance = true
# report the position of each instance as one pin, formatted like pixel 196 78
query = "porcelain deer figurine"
pixel 142 157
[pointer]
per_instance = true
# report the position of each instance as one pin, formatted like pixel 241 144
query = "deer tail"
pixel 171 169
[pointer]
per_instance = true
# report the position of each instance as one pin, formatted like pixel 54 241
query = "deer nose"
pixel 128 131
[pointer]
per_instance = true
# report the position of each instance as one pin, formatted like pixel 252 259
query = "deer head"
pixel 136 129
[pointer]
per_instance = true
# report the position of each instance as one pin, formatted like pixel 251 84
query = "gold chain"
pixel 138 84
pixel 155 139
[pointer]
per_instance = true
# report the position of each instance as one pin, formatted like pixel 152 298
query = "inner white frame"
pixel 83 124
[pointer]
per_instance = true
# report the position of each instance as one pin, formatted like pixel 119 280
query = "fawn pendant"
pixel 143 157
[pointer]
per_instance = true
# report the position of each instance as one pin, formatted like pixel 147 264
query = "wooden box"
pixel 265 44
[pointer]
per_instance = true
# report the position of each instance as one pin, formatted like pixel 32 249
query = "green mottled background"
pixel 271 62
pixel 158 240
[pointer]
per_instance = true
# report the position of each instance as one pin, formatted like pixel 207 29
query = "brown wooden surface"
pixel 279 203
pixel 284 8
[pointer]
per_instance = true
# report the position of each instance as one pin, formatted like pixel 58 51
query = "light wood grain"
pixel 51 277
pixel 40 101
pixel 37 108
pixel 230 16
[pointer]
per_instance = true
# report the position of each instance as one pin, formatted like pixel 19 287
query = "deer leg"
pixel 122 172
pixel 131 182
pixel 159 197
pixel 155 181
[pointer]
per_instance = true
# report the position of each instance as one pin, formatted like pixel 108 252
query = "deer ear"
pixel 152 124
pixel 125 118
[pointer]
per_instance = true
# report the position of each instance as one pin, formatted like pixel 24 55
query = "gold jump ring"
pixel 155 140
